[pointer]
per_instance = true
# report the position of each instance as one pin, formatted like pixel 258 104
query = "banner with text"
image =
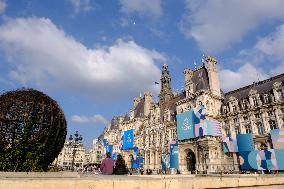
pixel 128 139
pixel 174 163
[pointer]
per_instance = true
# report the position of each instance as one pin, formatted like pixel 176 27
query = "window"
pixel 254 99
pixel 237 129
pixel 234 108
pixel 236 120
pixel 260 128
pixel 270 113
pixel 266 98
pixel 257 116
pixel 227 131
pixel 248 128
pixel 243 104
pixel 245 118
pixel 272 124
pixel 225 110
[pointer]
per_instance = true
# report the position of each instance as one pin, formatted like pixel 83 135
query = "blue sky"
pixel 94 56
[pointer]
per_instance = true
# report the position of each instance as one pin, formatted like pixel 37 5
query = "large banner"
pixel 277 137
pixel 174 163
pixel 185 125
pixel 251 159
pixel 128 139
pixel 271 159
pixel 241 143
pixel 245 142
pixel 194 124
pixel 230 144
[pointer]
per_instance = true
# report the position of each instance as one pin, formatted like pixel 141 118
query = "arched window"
pixel 237 130
pixel 248 128
pixel 234 108
pixel 254 101
pixel 227 131
pixel 272 124
pixel 260 128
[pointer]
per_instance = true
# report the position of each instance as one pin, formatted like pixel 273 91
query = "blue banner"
pixel 105 142
pixel 174 163
pixel 109 149
pixel 185 125
pixel 245 142
pixel 135 164
pixel 141 161
pixel 230 144
pixel 271 159
pixel 114 156
pixel 128 139
pixel 135 152
pixel 165 161
pixel 277 137
pixel 135 160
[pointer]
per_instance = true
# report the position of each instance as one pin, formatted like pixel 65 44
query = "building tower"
pixel 166 93
pixel 213 75
pixel 188 74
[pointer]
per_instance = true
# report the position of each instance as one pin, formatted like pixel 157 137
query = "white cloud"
pixel 3 6
pixel 81 5
pixel 152 7
pixel 95 119
pixel 216 25
pixel 265 59
pixel 272 46
pixel 245 75
pixel 45 55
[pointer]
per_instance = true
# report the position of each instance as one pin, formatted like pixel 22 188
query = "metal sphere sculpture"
pixel 32 130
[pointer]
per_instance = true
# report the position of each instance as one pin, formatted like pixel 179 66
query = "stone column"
pixel 277 118
pixel 145 159
pixel 265 122
pixel 151 166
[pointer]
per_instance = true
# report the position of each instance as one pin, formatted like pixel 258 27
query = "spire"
pixel 166 90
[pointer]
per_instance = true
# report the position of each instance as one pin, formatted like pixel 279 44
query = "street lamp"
pixel 74 141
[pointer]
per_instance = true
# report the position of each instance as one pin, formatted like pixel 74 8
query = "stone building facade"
pixel 65 157
pixel 255 109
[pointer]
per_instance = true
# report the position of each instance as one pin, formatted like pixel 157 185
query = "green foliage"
pixel 32 131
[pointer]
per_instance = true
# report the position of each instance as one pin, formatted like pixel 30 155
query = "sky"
pixel 94 56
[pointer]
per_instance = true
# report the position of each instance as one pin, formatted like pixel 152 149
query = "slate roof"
pixel 139 109
pixel 261 87
pixel 200 79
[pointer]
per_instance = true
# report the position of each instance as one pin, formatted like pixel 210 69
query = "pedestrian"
pixel 107 165
pixel 142 171
pixel 120 166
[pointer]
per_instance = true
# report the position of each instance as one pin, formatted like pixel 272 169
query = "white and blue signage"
pixel 174 163
pixel 185 125
pixel 128 139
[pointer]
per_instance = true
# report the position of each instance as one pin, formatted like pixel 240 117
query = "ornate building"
pixel 255 109
pixel 65 157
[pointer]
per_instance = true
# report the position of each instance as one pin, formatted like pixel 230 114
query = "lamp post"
pixel 74 141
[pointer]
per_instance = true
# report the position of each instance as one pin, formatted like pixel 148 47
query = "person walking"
pixel 107 165
pixel 120 166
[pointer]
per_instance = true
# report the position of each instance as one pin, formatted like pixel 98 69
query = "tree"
pixel 33 129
